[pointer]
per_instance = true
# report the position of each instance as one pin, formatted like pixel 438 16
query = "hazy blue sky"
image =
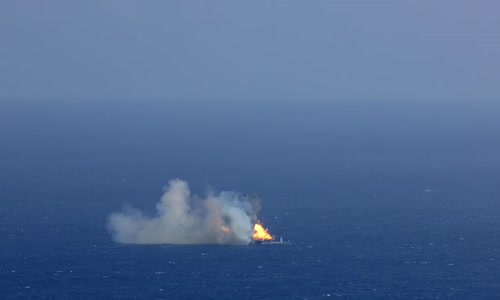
pixel 244 50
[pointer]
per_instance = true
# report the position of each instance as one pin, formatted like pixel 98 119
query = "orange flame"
pixel 260 233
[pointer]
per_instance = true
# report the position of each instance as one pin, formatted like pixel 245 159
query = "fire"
pixel 260 233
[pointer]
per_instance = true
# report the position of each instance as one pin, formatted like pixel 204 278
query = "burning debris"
pixel 260 234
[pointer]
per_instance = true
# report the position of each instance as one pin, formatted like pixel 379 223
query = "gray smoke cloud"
pixel 183 218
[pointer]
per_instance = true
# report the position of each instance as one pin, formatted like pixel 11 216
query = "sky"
pixel 250 50
pixel 246 95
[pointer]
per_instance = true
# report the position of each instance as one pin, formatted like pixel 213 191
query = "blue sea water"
pixel 377 203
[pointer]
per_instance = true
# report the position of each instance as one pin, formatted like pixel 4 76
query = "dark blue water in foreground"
pixel 369 213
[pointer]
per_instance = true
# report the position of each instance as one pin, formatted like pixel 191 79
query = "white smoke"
pixel 182 218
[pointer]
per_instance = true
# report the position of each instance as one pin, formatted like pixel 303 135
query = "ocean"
pixel 377 201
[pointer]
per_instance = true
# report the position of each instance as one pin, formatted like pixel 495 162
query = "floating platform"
pixel 273 242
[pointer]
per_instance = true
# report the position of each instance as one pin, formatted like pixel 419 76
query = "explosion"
pixel 260 233
pixel 227 218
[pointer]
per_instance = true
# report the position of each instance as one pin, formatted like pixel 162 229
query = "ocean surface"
pixel 378 202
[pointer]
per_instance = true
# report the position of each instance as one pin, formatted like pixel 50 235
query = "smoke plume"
pixel 183 218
